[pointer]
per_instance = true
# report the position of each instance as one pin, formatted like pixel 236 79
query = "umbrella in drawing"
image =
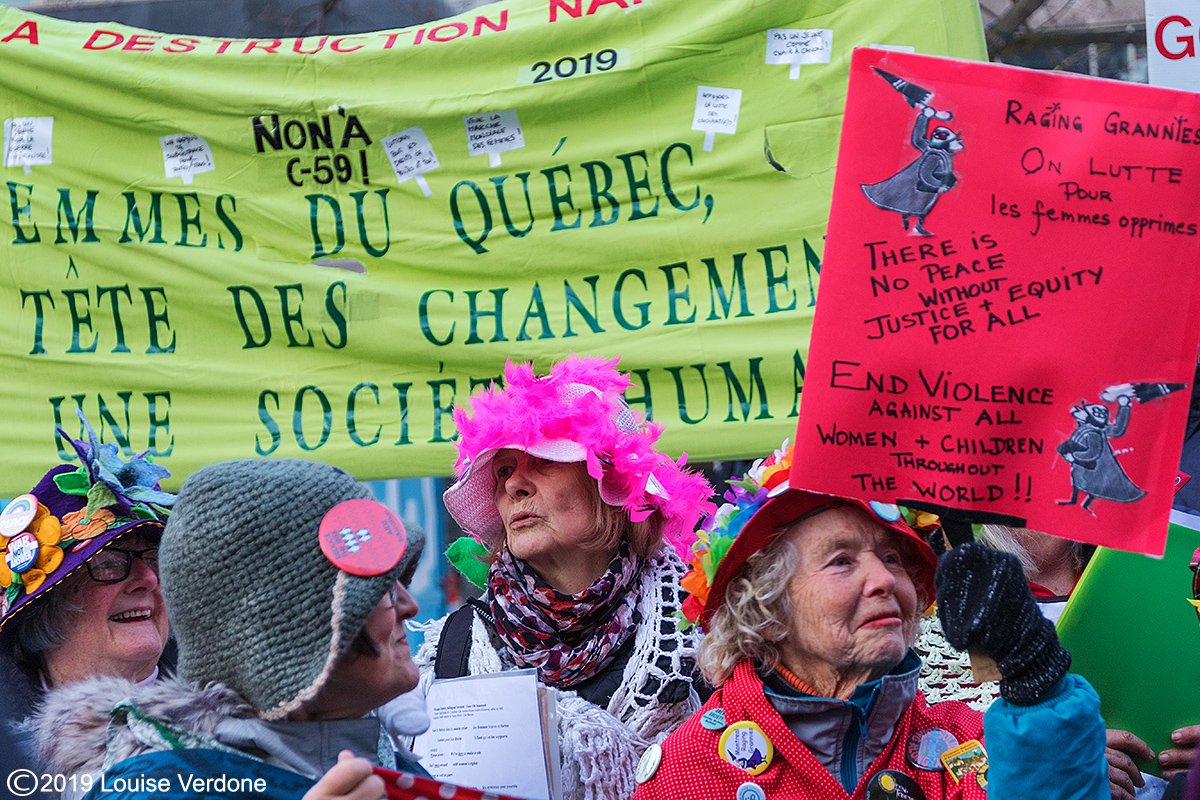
pixel 914 190
pixel 1095 470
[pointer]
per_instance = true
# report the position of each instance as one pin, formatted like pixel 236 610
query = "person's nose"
pixel 519 482
pixel 141 575
pixel 405 605
pixel 880 578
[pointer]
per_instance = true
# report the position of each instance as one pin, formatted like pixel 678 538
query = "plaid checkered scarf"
pixel 568 638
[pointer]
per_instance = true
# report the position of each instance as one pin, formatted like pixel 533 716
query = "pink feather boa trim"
pixel 530 410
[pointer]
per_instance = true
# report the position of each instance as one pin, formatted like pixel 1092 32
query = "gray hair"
pixel 1009 540
pixel 43 626
pixel 757 611
pixel 755 615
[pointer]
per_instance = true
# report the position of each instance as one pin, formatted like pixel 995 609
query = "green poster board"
pixel 1135 637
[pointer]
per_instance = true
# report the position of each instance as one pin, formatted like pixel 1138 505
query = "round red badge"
pixel 363 537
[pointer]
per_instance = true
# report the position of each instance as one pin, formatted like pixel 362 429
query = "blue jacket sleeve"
pixel 1053 750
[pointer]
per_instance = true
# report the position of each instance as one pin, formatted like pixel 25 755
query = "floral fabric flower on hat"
pixel 765 478
pixel 108 480
pixel 761 503
pixel 72 514
pixel 31 555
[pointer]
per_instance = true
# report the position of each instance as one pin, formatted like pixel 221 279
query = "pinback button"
pixel 750 791
pixel 893 785
pixel 924 748
pixel 713 719
pixel 745 745
pixel 885 511
pixel 21 552
pixel 648 764
pixel 362 537
pixel 17 515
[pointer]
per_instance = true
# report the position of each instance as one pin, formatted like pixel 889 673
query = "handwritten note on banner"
pixel 1009 316
pixel 28 142
pixel 186 155
pixel 716 112
pixel 796 46
pixel 493 133
pixel 411 156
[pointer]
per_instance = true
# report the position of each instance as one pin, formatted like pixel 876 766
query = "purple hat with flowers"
pixel 72 514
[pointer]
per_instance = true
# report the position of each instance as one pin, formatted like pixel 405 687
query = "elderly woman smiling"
pixel 810 605
pixel 571 504
pixel 279 668
pixel 79 575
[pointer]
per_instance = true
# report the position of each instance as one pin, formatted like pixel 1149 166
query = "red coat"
pixel 691 768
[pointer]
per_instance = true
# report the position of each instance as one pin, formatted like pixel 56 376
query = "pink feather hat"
pixel 575 413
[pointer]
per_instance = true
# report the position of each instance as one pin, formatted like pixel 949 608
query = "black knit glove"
pixel 984 604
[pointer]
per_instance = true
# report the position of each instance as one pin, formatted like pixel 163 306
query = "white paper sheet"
pixel 28 141
pixel 486 732
pixel 411 156
pixel 186 155
pixel 796 46
pixel 493 133
pixel 716 112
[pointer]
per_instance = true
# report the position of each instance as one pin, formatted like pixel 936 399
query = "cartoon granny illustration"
pixel 1095 471
pixel 914 190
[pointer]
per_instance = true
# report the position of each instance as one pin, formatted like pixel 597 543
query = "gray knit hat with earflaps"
pixel 253 601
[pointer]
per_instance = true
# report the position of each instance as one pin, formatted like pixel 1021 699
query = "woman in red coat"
pixel 810 604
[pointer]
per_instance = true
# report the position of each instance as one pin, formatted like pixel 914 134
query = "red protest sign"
pixel 1008 315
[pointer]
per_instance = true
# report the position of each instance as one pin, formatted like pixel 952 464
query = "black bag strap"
pixel 454 645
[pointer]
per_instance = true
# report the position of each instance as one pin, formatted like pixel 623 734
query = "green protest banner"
pixel 315 247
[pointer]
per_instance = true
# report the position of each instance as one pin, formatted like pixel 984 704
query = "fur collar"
pixel 71 729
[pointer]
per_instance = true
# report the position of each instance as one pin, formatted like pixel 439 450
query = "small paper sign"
pixel 716 112
pixel 27 141
pixel 185 155
pixel 362 537
pixel 798 46
pixel 493 133
pixel 411 156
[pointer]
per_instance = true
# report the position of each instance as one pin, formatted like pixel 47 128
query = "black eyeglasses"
pixel 112 564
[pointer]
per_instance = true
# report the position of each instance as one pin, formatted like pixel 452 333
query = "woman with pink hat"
pixel 810 605
pixel 575 516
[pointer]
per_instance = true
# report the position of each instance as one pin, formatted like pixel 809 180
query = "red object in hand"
pixel 405 786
